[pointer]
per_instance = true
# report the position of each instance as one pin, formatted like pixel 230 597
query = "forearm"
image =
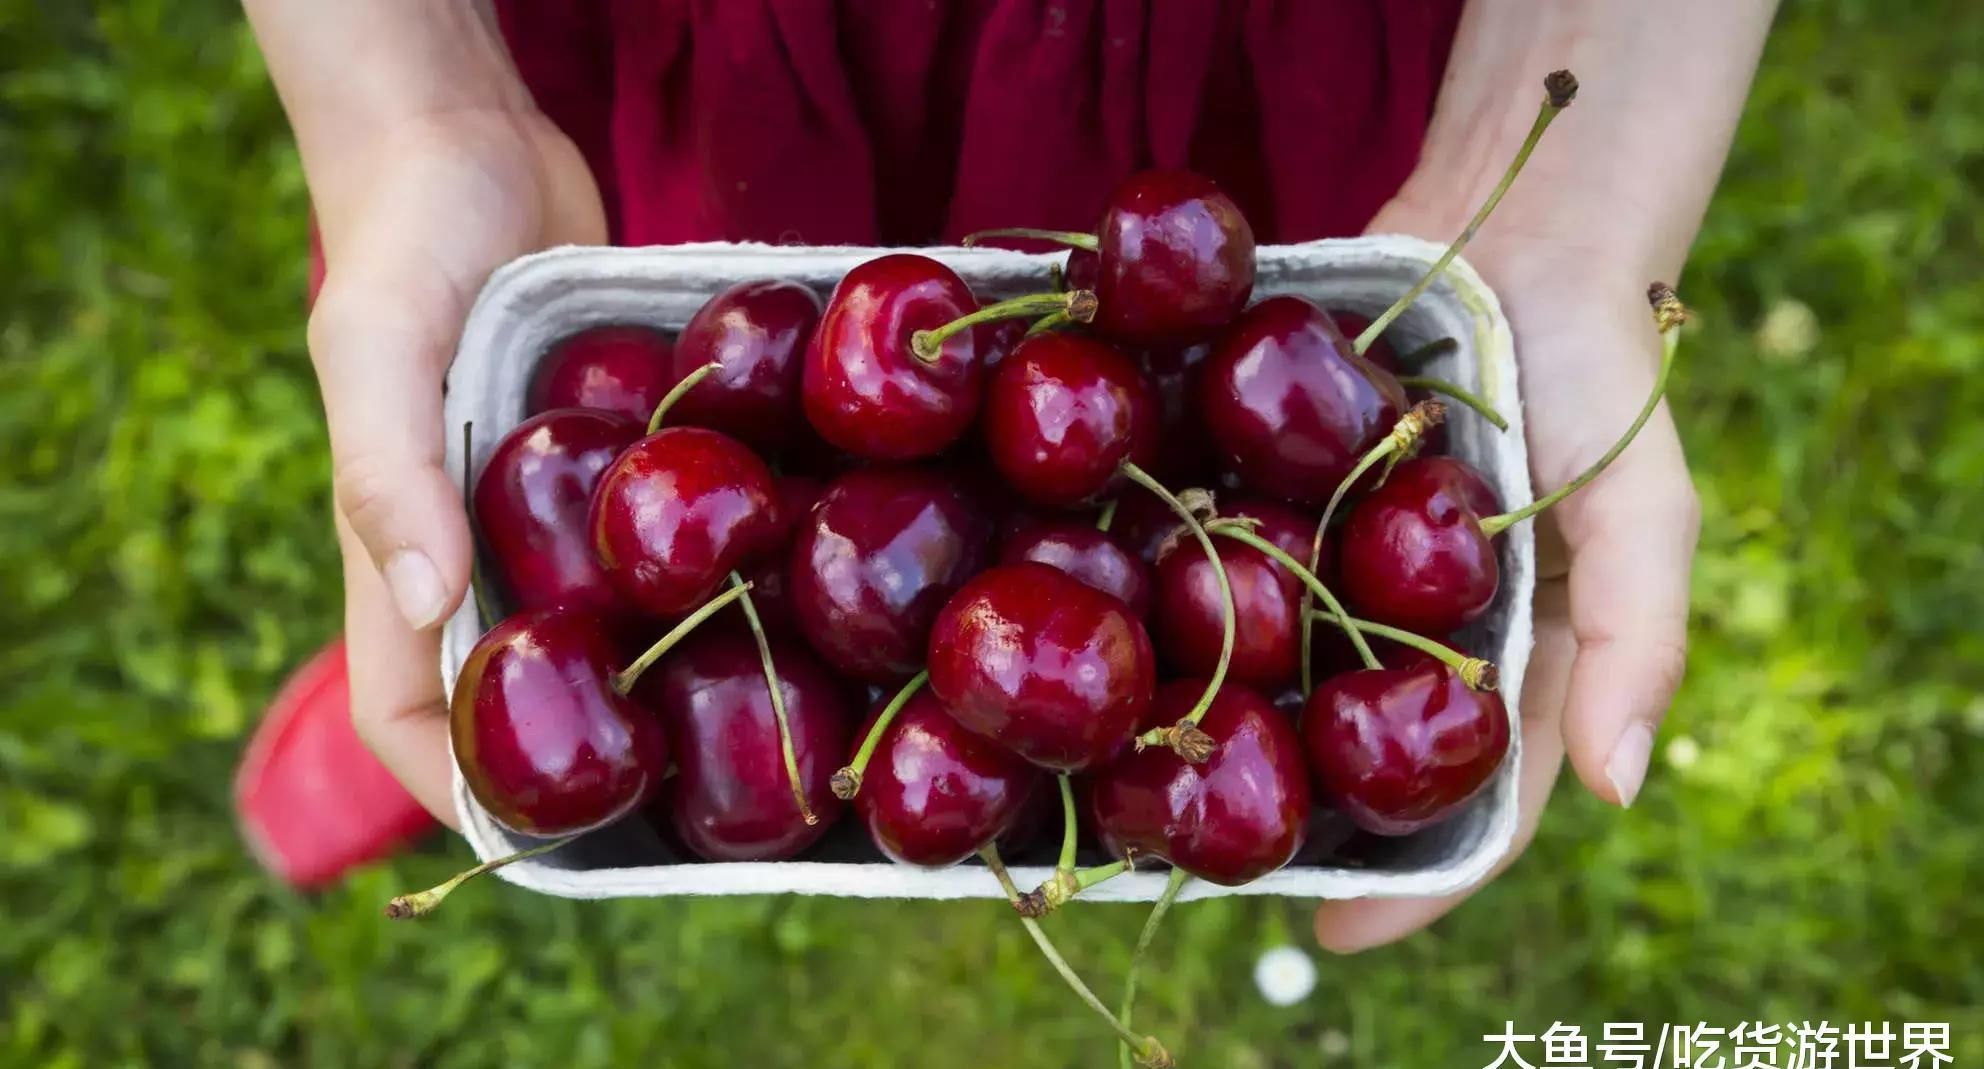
pixel 1627 172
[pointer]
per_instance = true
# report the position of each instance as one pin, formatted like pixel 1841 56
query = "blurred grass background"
pixel 1808 846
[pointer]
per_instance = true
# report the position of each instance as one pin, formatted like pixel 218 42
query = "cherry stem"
pixel 1068 828
pixel 1187 743
pixel 1050 321
pixel 1240 534
pixel 1066 882
pixel 1149 1051
pixel 421 903
pixel 1670 342
pixel 927 345
pixel 1477 672
pixel 623 681
pixel 1107 517
pixel 1071 238
pixel 478 580
pixel 777 690
pixel 1144 938
pixel 1459 393
pixel 847 781
pixel 1438 347
pixel 1556 99
pixel 676 393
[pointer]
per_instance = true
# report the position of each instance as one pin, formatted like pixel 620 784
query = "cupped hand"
pixel 443 200
pixel 1611 604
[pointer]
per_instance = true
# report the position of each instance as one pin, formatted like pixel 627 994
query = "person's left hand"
pixel 1612 560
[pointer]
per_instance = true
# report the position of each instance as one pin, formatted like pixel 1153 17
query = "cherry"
pixel 1230 820
pixel 1058 672
pixel 619 368
pixel 1399 749
pixel 731 799
pixel 756 333
pixel 531 502
pixel 1173 372
pixel 1063 414
pixel 936 793
pixel 864 388
pixel 548 745
pixel 677 512
pixel 876 560
pixel 1266 597
pixel 998 339
pixel 1091 555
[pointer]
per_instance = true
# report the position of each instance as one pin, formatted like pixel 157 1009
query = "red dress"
pixel 906 122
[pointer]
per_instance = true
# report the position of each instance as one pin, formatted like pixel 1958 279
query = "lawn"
pixel 1808 846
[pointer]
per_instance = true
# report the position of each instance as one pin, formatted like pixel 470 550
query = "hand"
pixel 1612 560
pixel 445 199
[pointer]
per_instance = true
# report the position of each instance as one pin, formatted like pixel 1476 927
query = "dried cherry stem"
pixel 1157 912
pixel 1405 435
pixel 623 681
pixel 1438 347
pixel 1241 534
pixel 847 782
pixel 678 391
pixel 777 690
pixel 1184 737
pixel 1478 673
pixel 1079 305
pixel 1149 1052
pixel 1071 238
pixel 1066 883
pixel 1108 515
pixel 1670 314
pixel 1459 393
pixel 421 903
pixel 478 580
pixel 1559 89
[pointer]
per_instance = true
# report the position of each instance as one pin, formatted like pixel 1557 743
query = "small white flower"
pixel 1285 975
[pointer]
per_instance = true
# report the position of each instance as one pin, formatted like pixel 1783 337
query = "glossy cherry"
pixel 1063 414
pixel 875 561
pixel 730 799
pixel 1055 670
pixel 935 793
pixel 617 368
pixel 1093 556
pixel 544 741
pixel 1289 406
pixel 1231 820
pixel 1412 553
pixel 1176 260
pixel 1267 646
pixel 677 512
pixel 1399 749
pixel 531 501
pixel 865 391
pixel 756 334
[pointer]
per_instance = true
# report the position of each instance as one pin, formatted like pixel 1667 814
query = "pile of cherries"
pixel 719 549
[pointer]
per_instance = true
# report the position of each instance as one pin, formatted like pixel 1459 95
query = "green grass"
pixel 165 555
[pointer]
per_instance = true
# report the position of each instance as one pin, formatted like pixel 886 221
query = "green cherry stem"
pixel 623 680
pixel 847 782
pixel 1070 832
pixel 1144 938
pixel 678 391
pixel 421 903
pixel 1670 342
pixel 1079 305
pixel 1477 672
pixel 1107 517
pixel 1428 352
pixel 1050 321
pixel 1064 884
pixel 1149 1051
pixel 1229 529
pixel 777 691
pixel 1184 737
pixel 1459 393
pixel 1559 89
pixel 1072 238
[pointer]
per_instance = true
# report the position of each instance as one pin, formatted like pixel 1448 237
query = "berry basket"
pixel 532 302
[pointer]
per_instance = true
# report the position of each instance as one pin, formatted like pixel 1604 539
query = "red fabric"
pixel 917 121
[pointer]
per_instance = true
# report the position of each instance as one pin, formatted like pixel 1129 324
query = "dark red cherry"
pixel 677 512
pixel 865 390
pixel 531 501
pixel 729 799
pixel 1145 523
pixel 876 560
pixel 1063 414
pixel 756 333
pixel 935 793
pixel 1176 260
pixel 1401 748
pixel 1092 556
pixel 617 368
pixel 1173 372
pixel 1267 645
pixel 998 338
pixel 1380 353
pixel 1231 820
pixel 544 741
pixel 1289 406
pixel 1082 270
pixel 1412 553
pixel 1057 671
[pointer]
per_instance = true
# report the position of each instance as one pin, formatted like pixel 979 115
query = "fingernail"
pixel 1627 766
pixel 416 587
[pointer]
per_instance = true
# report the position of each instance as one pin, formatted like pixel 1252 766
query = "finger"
pixel 397 704
pixel 1360 924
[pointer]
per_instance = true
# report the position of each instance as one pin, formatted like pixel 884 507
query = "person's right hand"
pixel 447 198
